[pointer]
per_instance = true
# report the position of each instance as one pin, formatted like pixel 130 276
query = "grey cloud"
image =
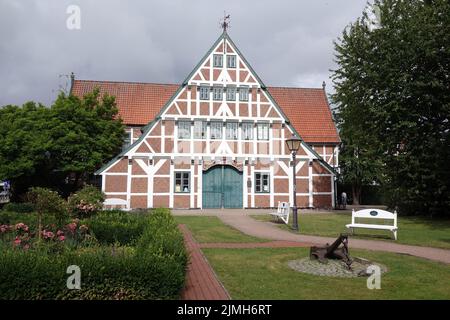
pixel 289 43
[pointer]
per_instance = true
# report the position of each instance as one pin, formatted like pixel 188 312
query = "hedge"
pixel 154 269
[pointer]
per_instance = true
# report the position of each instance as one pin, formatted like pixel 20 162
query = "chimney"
pixel 324 85
pixel 72 80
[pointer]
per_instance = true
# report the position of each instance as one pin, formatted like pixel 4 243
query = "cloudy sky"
pixel 288 43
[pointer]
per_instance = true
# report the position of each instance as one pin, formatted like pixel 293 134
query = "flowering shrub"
pixel 86 202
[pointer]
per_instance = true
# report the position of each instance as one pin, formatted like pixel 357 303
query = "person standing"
pixel 344 200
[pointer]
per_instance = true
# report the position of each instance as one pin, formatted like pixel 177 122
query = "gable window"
pixel 184 129
pixel 231 61
pixel 182 182
pixel 247 131
pixel 216 130
pixel 263 131
pixel 262 182
pixel 199 129
pixel 243 93
pixel 218 60
pixel 232 129
pixel 231 94
pixel 217 93
pixel 204 93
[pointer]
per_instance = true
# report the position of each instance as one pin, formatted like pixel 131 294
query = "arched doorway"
pixel 222 187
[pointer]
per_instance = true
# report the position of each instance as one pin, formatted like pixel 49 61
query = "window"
pixel 184 130
pixel 247 131
pixel 126 140
pixel 216 130
pixel 231 94
pixel 231 61
pixel 218 60
pixel 262 182
pixel 263 131
pixel 232 130
pixel 217 93
pixel 182 182
pixel 243 94
pixel 204 93
pixel 199 129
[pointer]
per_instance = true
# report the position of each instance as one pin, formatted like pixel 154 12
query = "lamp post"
pixel 293 145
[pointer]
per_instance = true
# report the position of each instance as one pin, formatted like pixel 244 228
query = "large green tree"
pixel 60 146
pixel 393 97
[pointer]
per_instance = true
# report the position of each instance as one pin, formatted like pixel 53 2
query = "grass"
pixel 418 231
pixel 211 229
pixel 263 274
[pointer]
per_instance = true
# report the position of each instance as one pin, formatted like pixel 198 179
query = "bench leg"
pixel 395 235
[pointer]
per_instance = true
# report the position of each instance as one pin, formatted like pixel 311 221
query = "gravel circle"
pixel 334 268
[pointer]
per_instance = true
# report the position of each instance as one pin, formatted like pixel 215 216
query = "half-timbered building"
pixel 217 140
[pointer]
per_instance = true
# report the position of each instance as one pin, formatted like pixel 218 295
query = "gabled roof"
pixel 139 103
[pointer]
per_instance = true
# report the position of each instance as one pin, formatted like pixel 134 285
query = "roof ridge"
pixel 176 84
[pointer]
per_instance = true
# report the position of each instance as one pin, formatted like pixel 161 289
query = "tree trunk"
pixel 356 190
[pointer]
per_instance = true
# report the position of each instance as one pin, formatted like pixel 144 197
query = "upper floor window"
pixel 231 94
pixel 243 93
pixel 216 130
pixel 182 182
pixel 231 61
pixel 217 93
pixel 247 131
pixel 218 60
pixel 263 131
pixel 184 130
pixel 232 129
pixel 200 129
pixel 262 182
pixel 204 93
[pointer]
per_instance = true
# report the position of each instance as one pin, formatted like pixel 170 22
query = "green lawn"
pixel 264 274
pixel 412 230
pixel 211 229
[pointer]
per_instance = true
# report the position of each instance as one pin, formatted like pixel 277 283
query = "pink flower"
pixel 22 226
pixel 59 233
pixel 17 241
pixel 26 247
pixel 4 228
pixel 61 238
pixel 48 234
pixel 72 227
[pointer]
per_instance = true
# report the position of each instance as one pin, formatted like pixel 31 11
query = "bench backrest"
pixel 115 202
pixel 374 214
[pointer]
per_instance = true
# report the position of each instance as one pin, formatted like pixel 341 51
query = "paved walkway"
pixel 267 230
pixel 201 281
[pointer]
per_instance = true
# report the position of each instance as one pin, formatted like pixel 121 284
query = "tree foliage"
pixel 60 146
pixel 392 91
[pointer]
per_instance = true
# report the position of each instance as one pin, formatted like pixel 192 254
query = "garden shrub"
pixel 155 269
pixel 86 202
pixel 48 202
pixel 19 207
pixel 116 226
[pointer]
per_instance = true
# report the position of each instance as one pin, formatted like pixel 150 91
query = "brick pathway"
pixel 201 281
pixel 267 230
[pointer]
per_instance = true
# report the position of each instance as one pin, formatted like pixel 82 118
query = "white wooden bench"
pixel 115 203
pixel 282 212
pixel 374 214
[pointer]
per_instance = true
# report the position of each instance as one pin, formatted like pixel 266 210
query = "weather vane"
pixel 225 23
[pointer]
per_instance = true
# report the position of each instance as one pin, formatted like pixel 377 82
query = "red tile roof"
pixel 139 103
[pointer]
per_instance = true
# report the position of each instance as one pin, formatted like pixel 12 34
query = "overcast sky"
pixel 288 43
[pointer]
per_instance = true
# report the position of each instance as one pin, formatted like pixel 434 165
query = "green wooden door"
pixel 222 188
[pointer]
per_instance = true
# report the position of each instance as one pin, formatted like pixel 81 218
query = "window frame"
pixel 261 181
pixel 215 57
pixel 217 89
pixel 202 90
pixel 228 91
pixel 231 57
pixel 179 131
pixel 235 129
pixel 127 137
pixel 250 126
pixel 203 132
pixel 182 179
pixel 245 90
pixel 220 125
pixel 258 125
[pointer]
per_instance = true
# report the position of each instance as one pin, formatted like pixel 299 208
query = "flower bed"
pixel 148 260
